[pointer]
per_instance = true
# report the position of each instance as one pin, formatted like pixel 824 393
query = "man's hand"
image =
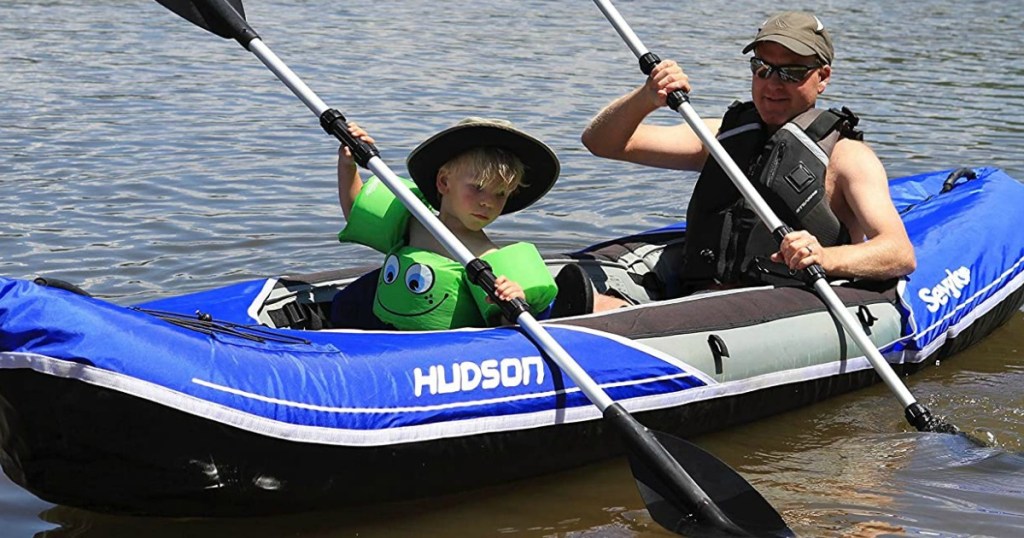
pixel 799 250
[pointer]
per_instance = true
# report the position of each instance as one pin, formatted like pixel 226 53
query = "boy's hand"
pixel 345 160
pixel 506 289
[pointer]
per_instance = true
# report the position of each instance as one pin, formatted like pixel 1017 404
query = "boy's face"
pixel 465 198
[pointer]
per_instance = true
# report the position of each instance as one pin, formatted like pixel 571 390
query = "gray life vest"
pixel 725 240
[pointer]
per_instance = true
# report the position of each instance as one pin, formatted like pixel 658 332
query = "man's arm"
pixel 881 248
pixel 618 132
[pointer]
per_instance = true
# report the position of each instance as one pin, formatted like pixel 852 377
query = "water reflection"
pixel 862 485
pixel 589 503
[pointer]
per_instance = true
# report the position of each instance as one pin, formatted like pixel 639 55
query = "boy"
pixel 470 173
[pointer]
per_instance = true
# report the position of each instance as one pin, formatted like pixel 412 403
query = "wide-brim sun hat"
pixel 541 164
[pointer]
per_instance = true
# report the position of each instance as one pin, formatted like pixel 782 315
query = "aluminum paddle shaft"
pixel 639 437
pixel 677 489
pixel 679 101
pixel 369 157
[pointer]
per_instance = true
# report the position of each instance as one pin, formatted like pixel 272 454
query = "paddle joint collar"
pixel 919 417
pixel 335 124
pixel 648 61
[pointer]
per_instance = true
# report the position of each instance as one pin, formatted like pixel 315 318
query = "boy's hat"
pixel 540 162
pixel 798 31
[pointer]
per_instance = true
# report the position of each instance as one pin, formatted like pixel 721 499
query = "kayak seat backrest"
pixel 641 268
pixel 302 302
pixel 300 316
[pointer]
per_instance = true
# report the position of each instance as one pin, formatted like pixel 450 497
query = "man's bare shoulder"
pixel 855 160
pixel 714 124
pixel 848 148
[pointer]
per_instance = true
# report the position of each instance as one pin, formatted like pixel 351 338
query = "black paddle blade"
pixel 225 18
pixel 736 498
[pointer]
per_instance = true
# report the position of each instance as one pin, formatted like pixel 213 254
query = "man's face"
pixel 777 100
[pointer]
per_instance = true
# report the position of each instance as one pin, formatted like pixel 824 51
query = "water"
pixel 141 157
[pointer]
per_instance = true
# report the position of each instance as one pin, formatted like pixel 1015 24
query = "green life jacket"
pixel 422 290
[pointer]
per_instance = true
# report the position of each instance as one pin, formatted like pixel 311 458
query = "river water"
pixel 141 157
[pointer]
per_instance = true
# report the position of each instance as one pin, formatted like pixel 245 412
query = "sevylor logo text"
pixel 954 282
pixel 489 374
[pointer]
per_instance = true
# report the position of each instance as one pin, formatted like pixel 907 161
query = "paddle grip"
pixel 674 99
pixel 335 124
pixel 814 272
pixel 481 274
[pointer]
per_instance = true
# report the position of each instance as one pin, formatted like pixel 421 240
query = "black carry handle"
pixel 60 284
pixel 956 175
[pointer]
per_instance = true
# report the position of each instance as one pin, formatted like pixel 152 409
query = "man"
pixel 852 228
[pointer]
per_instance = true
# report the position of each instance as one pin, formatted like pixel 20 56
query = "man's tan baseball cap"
pixel 798 31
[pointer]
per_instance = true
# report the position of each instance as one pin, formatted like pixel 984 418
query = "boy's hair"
pixel 494 166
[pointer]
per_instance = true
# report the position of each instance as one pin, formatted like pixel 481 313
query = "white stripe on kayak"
pixel 480 425
pixel 648 350
pixel 1007 289
pixel 405 434
pixel 982 309
pixel 423 408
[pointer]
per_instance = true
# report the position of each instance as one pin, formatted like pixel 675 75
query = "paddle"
pixel 675 499
pixel 916 414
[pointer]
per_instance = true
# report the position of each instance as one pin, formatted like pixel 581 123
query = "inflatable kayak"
pixel 244 400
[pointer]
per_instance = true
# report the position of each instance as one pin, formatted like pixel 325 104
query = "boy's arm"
pixel 349 182
pixel 533 281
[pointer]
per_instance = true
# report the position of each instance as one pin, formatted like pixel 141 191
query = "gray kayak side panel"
pixel 773 346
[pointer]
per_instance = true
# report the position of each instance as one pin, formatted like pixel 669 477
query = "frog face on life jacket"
pixel 411 288
pixel 421 290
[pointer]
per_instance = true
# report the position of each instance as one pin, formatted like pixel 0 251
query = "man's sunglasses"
pixel 787 73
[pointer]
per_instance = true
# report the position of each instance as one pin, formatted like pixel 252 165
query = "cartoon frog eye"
pixel 390 271
pixel 419 278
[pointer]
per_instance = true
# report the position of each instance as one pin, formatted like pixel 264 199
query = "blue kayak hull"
pixel 256 406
